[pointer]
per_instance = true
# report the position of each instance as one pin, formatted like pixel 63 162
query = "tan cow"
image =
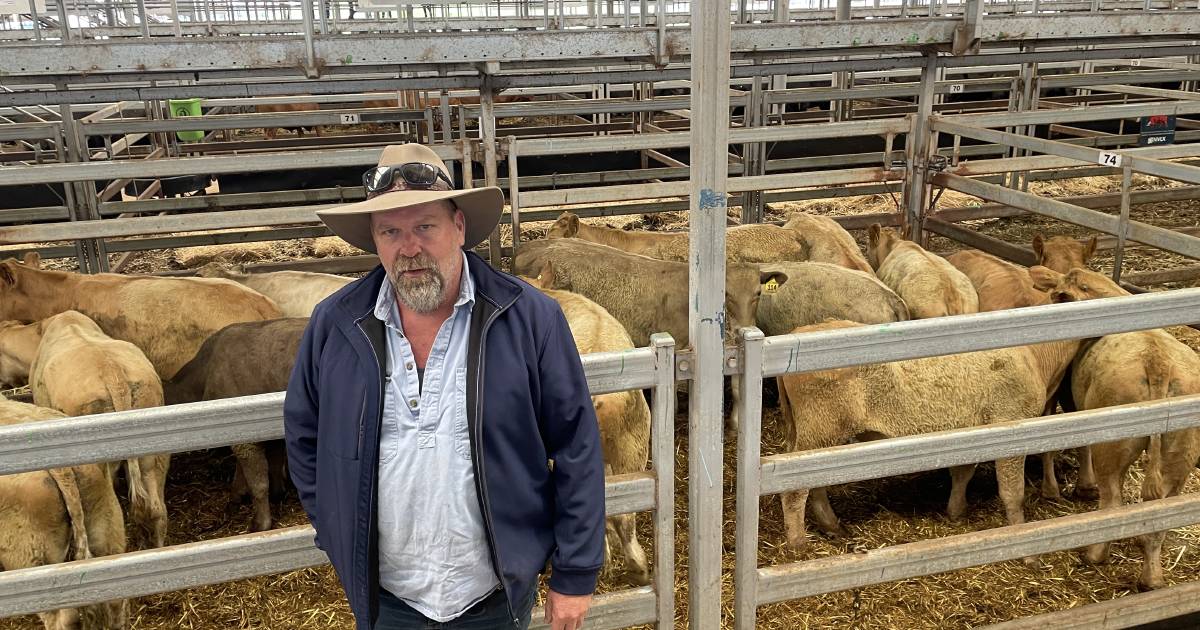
pixel 836 407
pixel 930 286
pixel 1063 253
pixel 80 371
pixel 296 293
pixel 744 243
pixel 624 417
pixel 827 241
pixel 241 360
pixel 1130 368
pixel 815 292
pixel 645 294
pixel 58 515
pixel 271 132
pixel 1002 285
pixel 167 318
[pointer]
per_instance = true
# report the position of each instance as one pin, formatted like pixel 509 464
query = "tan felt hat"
pixel 481 207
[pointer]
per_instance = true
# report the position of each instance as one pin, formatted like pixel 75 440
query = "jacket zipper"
pixel 480 485
pixel 378 422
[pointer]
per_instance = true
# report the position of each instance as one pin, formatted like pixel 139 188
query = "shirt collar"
pixel 386 311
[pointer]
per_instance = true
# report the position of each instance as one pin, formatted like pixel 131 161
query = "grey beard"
pixel 423 294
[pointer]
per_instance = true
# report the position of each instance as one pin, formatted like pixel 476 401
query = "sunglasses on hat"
pixel 413 174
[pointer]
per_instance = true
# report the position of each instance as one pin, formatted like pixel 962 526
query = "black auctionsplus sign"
pixel 1156 130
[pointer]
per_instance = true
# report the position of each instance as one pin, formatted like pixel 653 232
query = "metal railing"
pixel 758 476
pixel 210 424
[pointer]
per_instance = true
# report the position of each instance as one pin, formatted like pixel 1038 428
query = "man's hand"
pixel 565 612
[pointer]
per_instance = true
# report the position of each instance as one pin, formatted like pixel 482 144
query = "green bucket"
pixel 182 108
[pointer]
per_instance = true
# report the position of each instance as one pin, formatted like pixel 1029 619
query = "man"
pixel 438 423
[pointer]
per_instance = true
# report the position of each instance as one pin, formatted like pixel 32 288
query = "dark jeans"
pixel 489 614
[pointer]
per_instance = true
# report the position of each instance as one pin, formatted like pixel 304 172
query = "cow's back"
pixel 827 241
pixel 930 286
pixel 815 292
pixel 999 284
pixel 241 359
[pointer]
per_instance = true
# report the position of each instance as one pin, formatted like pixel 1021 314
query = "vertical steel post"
pixel 141 7
pixel 1123 229
pixel 841 79
pixel 754 154
pixel 487 134
pixel 919 150
pixel 662 456
pixel 310 53
pixel 514 198
pixel 780 81
pixel 706 308
pixel 63 23
pixel 749 481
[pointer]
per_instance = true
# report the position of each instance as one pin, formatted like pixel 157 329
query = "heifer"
pixel 815 292
pixel 241 360
pixel 930 286
pixel 167 318
pixel 1063 253
pixel 1123 369
pixel 744 243
pixel 58 515
pixel 836 407
pixel 80 371
pixel 827 241
pixel 271 132
pixel 1003 285
pixel 624 416
pixel 645 294
pixel 296 293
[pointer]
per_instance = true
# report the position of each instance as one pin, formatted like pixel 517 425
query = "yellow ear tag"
pixel 771 286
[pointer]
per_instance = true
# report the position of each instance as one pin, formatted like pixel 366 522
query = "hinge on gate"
pixel 898 165
pixel 939 163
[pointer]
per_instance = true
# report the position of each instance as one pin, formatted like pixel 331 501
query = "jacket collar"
pixel 359 297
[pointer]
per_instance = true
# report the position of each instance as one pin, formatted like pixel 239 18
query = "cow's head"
pixel 744 285
pixel 566 226
pixel 1063 253
pixel 16 280
pixel 880 242
pixel 1075 285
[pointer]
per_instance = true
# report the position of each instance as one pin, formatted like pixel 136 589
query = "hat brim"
pixel 481 208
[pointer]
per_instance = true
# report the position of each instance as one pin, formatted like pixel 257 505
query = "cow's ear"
pixel 545 278
pixel 767 275
pixel 1044 278
pixel 572 224
pixel 1039 245
pixel 33 260
pixel 8 275
pixel 874 232
pixel 1089 250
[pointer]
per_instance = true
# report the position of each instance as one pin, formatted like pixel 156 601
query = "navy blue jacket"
pixel 527 404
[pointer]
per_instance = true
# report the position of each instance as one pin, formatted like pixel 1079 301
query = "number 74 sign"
pixel 1109 159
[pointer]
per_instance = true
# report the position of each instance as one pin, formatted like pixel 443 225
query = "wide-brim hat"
pixel 481 207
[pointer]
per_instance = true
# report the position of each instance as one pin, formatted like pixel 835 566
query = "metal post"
pixel 919 150
pixel 63 24
pixel 706 307
pixel 175 18
pixel 141 7
pixel 92 255
pixel 310 53
pixel 749 478
pixel 841 79
pixel 754 154
pixel 662 455
pixel 514 199
pixel 324 21
pixel 780 81
pixel 487 134
pixel 1119 256
pixel 37 20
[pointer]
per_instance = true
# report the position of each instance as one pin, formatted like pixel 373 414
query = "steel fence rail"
pixel 1123 612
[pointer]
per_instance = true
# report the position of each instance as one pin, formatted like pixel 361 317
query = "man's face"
pixel 421 248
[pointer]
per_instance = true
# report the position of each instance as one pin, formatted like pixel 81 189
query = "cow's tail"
pixel 121 395
pixel 1158 381
pixel 68 487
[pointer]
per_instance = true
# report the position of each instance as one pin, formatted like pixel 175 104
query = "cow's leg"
pixel 960 476
pixel 823 514
pixel 106 537
pixel 1010 475
pixel 1086 485
pixel 277 469
pixel 1050 489
pixel 1111 461
pixel 254 465
pixel 636 564
pixel 154 471
pixel 793 517
pixel 239 492
pixel 1175 466
pixel 735 397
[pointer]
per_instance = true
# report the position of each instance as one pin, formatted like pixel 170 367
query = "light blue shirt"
pixel 433 550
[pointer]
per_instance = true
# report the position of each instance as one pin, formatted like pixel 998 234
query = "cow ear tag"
pixel 771 286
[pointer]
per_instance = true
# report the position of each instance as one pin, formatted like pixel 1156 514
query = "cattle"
pixel 836 407
pixel 744 243
pixel 271 132
pixel 241 360
pixel 645 294
pixel 79 371
pixel 1063 253
pixel 58 515
pixel 1003 285
pixel 624 417
pixel 930 286
pixel 1123 369
pixel 296 293
pixel 827 241
pixel 167 318
pixel 815 292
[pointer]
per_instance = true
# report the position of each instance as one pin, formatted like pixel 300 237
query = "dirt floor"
pixel 877 513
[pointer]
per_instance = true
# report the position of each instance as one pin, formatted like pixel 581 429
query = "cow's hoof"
pixel 1087 493
pixel 1150 585
pixel 257 525
pixel 639 577
pixel 1032 562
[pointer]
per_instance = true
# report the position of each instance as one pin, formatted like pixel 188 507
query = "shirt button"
pixel 413 403
pixel 408 366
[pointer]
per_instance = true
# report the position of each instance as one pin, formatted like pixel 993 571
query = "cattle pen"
pixel 133 128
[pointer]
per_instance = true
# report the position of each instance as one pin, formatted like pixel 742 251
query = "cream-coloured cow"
pixel 296 293
pixel 930 286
